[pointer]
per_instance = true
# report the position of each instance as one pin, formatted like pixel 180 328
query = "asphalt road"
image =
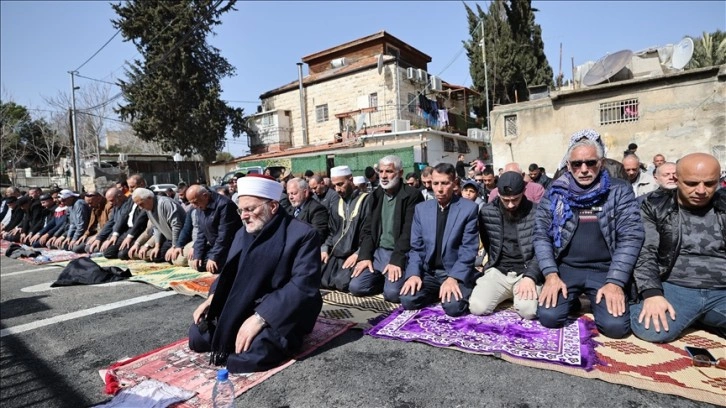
pixel 47 360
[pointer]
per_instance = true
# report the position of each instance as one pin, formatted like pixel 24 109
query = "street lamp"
pixel 178 158
pixel 76 148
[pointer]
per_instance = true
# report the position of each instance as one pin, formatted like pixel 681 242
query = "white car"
pixel 160 188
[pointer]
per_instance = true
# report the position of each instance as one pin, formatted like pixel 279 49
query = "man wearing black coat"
pixel 307 210
pixel 506 227
pixel 386 235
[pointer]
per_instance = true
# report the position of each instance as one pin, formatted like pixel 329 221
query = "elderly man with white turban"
pixel 267 296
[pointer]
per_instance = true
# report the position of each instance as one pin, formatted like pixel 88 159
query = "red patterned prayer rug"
pixel 195 287
pixel 176 365
pixel 662 368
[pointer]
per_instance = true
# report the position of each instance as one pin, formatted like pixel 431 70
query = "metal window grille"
pixel 321 113
pixel 412 103
pixel 719 152
pixel 449 144
pixel 373 100
pixel 510 126
pixel 463 147
pixel 619 112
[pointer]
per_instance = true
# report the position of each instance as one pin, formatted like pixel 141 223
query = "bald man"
pixel 218 221
pixel 681 270
pixel 641 181
pixel 532 190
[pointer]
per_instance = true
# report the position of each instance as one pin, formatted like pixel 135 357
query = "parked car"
pixel 160 188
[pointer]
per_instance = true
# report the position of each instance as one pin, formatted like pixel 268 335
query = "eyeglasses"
pixel 699 360
pixel 252 209
pixel 578 163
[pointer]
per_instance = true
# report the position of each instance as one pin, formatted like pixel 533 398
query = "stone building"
pixel 672 113
pixel 373 92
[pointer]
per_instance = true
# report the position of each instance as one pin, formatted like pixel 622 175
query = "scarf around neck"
pixel 565 194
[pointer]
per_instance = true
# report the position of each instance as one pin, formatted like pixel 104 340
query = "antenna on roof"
pixel 380 64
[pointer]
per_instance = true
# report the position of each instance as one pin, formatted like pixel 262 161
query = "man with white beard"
pixel 386 234
pixel 665 176
pixel 267 296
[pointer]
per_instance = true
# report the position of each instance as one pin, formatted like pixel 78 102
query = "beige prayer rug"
pixel 359 310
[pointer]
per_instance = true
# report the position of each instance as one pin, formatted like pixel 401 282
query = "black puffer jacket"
pixel 663 238
pixel 490 232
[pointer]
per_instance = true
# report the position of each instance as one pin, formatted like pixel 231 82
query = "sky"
pixel 40 42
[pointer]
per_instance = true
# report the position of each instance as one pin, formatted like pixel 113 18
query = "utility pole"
pixel 76 149
pixel 486 81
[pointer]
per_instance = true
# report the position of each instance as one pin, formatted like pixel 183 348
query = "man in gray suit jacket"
pixel 167 215
pixel 444 244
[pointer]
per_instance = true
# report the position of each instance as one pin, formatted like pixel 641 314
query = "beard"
pixel 256 224
pixel 392 183
pixel 512 216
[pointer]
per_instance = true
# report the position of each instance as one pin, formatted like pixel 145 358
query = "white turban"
pixel 259 186
pixel 359 180
pixel 340 171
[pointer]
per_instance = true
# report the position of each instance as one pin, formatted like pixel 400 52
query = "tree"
pixel 514 52
pixel 709 50
pixel 173 92
pixel 224 156
pixel 14 119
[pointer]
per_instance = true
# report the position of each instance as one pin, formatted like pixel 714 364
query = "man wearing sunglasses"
pixel 267 296
pixel 587 237
pixel 681 270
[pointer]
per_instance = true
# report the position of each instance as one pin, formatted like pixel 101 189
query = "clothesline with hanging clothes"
pixel 434 114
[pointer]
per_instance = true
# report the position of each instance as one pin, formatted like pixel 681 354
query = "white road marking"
pixel 30 271
pixel 46 286
pixel 82 313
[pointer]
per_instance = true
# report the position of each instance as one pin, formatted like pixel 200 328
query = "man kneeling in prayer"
pixel 266 297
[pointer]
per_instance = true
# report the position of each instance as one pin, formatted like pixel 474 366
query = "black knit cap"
pixel 510 183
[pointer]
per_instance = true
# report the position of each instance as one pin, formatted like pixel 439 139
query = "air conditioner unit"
pixel 400 125
pixel 479 134
pixel 411 74
pixel 422 76
pixel 435 83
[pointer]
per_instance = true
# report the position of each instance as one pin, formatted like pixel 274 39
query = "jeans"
pixel 588 282
pixel 705 305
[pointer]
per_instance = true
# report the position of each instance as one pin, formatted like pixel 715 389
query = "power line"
pixel 97 80
pixel 99 50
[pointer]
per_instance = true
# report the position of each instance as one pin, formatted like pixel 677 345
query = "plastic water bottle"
pixel 223 392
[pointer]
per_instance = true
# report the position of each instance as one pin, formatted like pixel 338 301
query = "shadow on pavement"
pixel 22 306
pixel 27 381
pixel 348 337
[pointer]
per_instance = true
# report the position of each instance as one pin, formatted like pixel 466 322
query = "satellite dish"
pixel 380 64
pixel 682 53
pixel 606 67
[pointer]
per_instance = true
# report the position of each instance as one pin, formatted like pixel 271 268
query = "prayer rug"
pixel 137 267
pixel 502 332
pixel 195 287
pixel 163 278
pixel 46 255
pixel 176 365
pixel 662 368
pixel 359 310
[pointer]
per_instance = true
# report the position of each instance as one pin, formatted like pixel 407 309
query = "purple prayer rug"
pixel 501 332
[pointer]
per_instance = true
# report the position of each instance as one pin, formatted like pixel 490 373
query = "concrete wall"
pixel 678 114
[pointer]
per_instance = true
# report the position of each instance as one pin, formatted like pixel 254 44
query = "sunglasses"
pixel 700 360
pixel 578 163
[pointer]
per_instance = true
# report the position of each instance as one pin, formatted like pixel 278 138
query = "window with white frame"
pixel 510 126
pixel 411 103
pixel 321 113
pixel 619 112
pixel 266 120
pixel 373 100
